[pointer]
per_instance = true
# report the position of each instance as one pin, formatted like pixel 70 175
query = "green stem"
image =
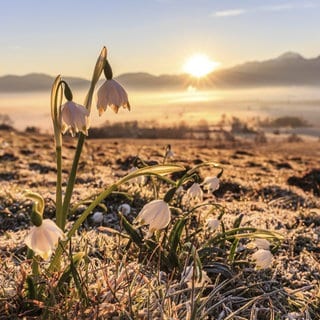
pixel 73 173
pixel 59 215
pixel 155 170
pixel 56 259
pixel 71 181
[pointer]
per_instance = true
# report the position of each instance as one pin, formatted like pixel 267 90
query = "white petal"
pixel 263 258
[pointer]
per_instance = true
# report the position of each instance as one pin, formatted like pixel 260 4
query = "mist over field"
pixel 171 107
pixel 281 86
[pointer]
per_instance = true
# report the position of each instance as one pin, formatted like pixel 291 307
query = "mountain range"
pixel 289 69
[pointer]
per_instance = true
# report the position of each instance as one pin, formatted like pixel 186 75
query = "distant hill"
pixel 34 82
pixel 289 69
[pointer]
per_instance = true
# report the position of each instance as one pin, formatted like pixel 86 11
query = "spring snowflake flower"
pixel 195 192
pixel 259 243
pixel 211 183
pixel 124 208
pixel 97 217
pixel 212 224
pixel 74 118
pixel 156 214
pixel 263 258
pixel 140 180
pixel 199 282
pixel 112 94
pixel 262 244
pixel 44 238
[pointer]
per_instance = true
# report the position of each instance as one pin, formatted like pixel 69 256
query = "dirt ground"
pixel 274 185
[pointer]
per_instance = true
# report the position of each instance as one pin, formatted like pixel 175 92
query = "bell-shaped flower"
pixel 211 183
pixel 156 214
pixel 199 281
pixel 140 180
pixel 259 243
pixel 124 208
pixel 44 238
pixel 74 118
pixel 263 258
pixel 97 217
pixel 195 192
pixel 212 224
pixel 262 244
pixel 112 94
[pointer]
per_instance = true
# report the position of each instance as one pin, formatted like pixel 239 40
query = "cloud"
pixel 272 8
pixel 229 13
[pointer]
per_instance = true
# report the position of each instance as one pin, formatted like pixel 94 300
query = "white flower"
pixel 263 258
pixel 112 94
pixel 211 183
pixel 212 224
pixel 124 208
pixel 140 180
pixel 199 281
pixel 74 118
pixel 97 217
pixel 195 192
pixel 169 154
pixel 259 243
pixel 180 190
pixel 156 214
pixel 43 239
pixel 262 244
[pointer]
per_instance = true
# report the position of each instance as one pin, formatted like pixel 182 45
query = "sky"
pixel 154 36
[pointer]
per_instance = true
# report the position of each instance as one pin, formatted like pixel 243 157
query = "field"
pixel 273 186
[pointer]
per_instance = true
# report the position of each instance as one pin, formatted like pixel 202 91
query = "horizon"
pixel 155 37
pixel 172 74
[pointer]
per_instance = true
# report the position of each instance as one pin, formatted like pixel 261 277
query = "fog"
pixel 168 107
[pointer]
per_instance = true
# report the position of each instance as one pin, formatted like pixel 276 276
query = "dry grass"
pixel 118 280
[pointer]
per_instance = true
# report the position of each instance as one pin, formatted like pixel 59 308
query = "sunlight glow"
pixel 199 65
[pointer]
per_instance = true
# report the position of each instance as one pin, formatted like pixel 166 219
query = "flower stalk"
pixel 56 99
pixel 88 101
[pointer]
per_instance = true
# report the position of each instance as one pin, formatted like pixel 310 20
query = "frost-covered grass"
pixel 116 278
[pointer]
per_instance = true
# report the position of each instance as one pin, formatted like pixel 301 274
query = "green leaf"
pixel 134 235
pixel 233 250
pixel 253 233
pixel 170 194
pixel 157 170
pixel 237 221
pixel 67 275
pixel 174 240
pixel 31 288
pixel 206 164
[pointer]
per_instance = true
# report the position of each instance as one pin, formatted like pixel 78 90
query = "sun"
pixel 199 65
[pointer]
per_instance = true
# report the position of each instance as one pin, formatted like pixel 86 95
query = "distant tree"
pixel 6 122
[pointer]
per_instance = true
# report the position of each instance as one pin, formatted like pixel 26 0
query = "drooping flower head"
pixel 111 93
pixel 195 192
pixel 262 244
pixel 189 276
pixel 45 234
pixel 212 224
pixel 211 183
pixel 156 214
pixel 74 118
pixel 124 208
pixel 263 258
pixel 44 238
pixel 259 244
pixel 139 180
